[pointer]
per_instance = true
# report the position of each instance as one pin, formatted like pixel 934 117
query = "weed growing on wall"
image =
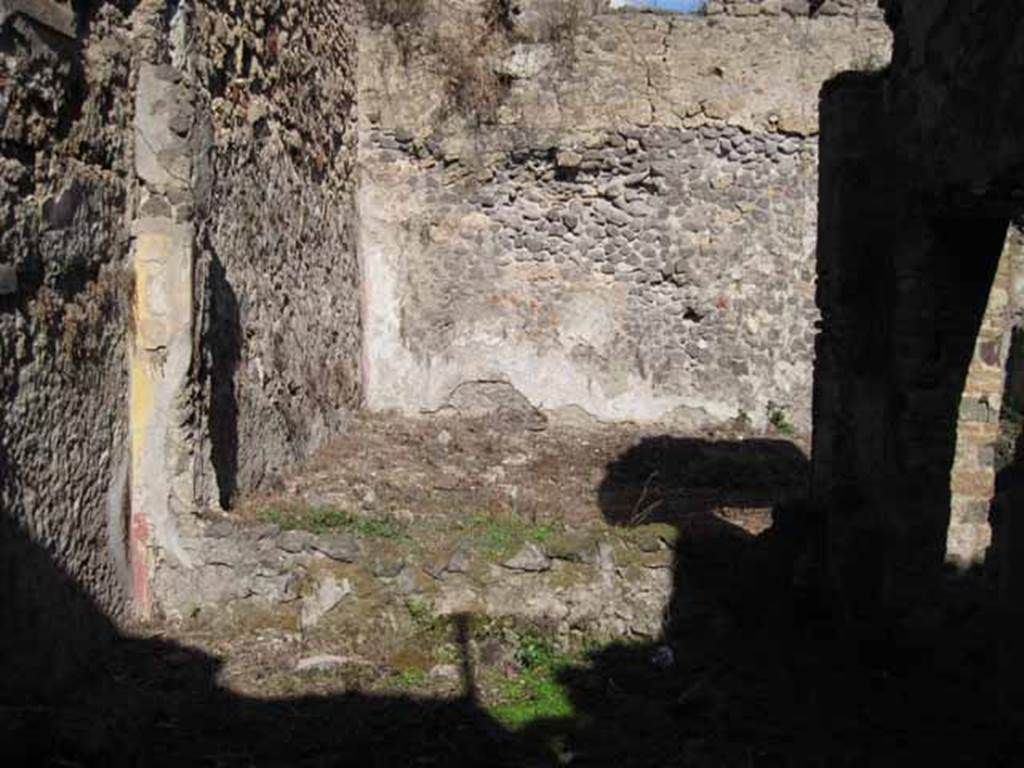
pixel 558 21
pixel 743 421
pixel 474 89
pixel 469 59
pixel 778 418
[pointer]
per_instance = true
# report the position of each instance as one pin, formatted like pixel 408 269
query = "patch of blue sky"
pixel 679 6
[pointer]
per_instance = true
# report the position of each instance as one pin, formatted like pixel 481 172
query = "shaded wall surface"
pixel 629 229
pixel 919 167
pixel 177 267
pixel 65 156
pixel 276 333
pixel 276 267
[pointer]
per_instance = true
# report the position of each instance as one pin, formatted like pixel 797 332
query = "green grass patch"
pixel 536 653
pixel 409 678
pixel 501 536
pixel 304 517
pixel 378 528
pixel 421 613
pixel 534 694
pixel 531 697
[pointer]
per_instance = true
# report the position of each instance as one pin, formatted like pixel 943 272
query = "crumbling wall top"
pixel 865 9
pixel 625 69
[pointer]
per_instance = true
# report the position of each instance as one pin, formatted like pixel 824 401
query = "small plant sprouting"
pixel 534 694
pixel 421 613
pixel 499 536
pixel 469 60
pixel 290 516
pixel 743 420
pixel 378 527
pixel 778 418
pixel 409 678
pixel 536 653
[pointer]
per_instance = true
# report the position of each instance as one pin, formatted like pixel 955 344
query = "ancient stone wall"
pixel 973 476
pixel 859 9
pixel 277 277
pixel 179 310
pixel 920 177
pixel 629 232
pixel 275 340
pixel 66 195
pixel 589 585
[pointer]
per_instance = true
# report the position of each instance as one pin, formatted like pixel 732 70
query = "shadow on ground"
pixel 759 666
pixel 123 701
pixel 756 667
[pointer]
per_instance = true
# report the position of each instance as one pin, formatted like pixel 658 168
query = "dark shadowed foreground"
pixel 757 666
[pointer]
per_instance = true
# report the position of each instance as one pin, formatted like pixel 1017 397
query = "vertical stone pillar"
pixel 972 479
pixel 904 279
pixel 854 296
pixel 161 349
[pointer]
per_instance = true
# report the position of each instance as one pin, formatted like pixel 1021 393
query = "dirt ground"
pixel 433 483
pixel 414 470
pixel 755 666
